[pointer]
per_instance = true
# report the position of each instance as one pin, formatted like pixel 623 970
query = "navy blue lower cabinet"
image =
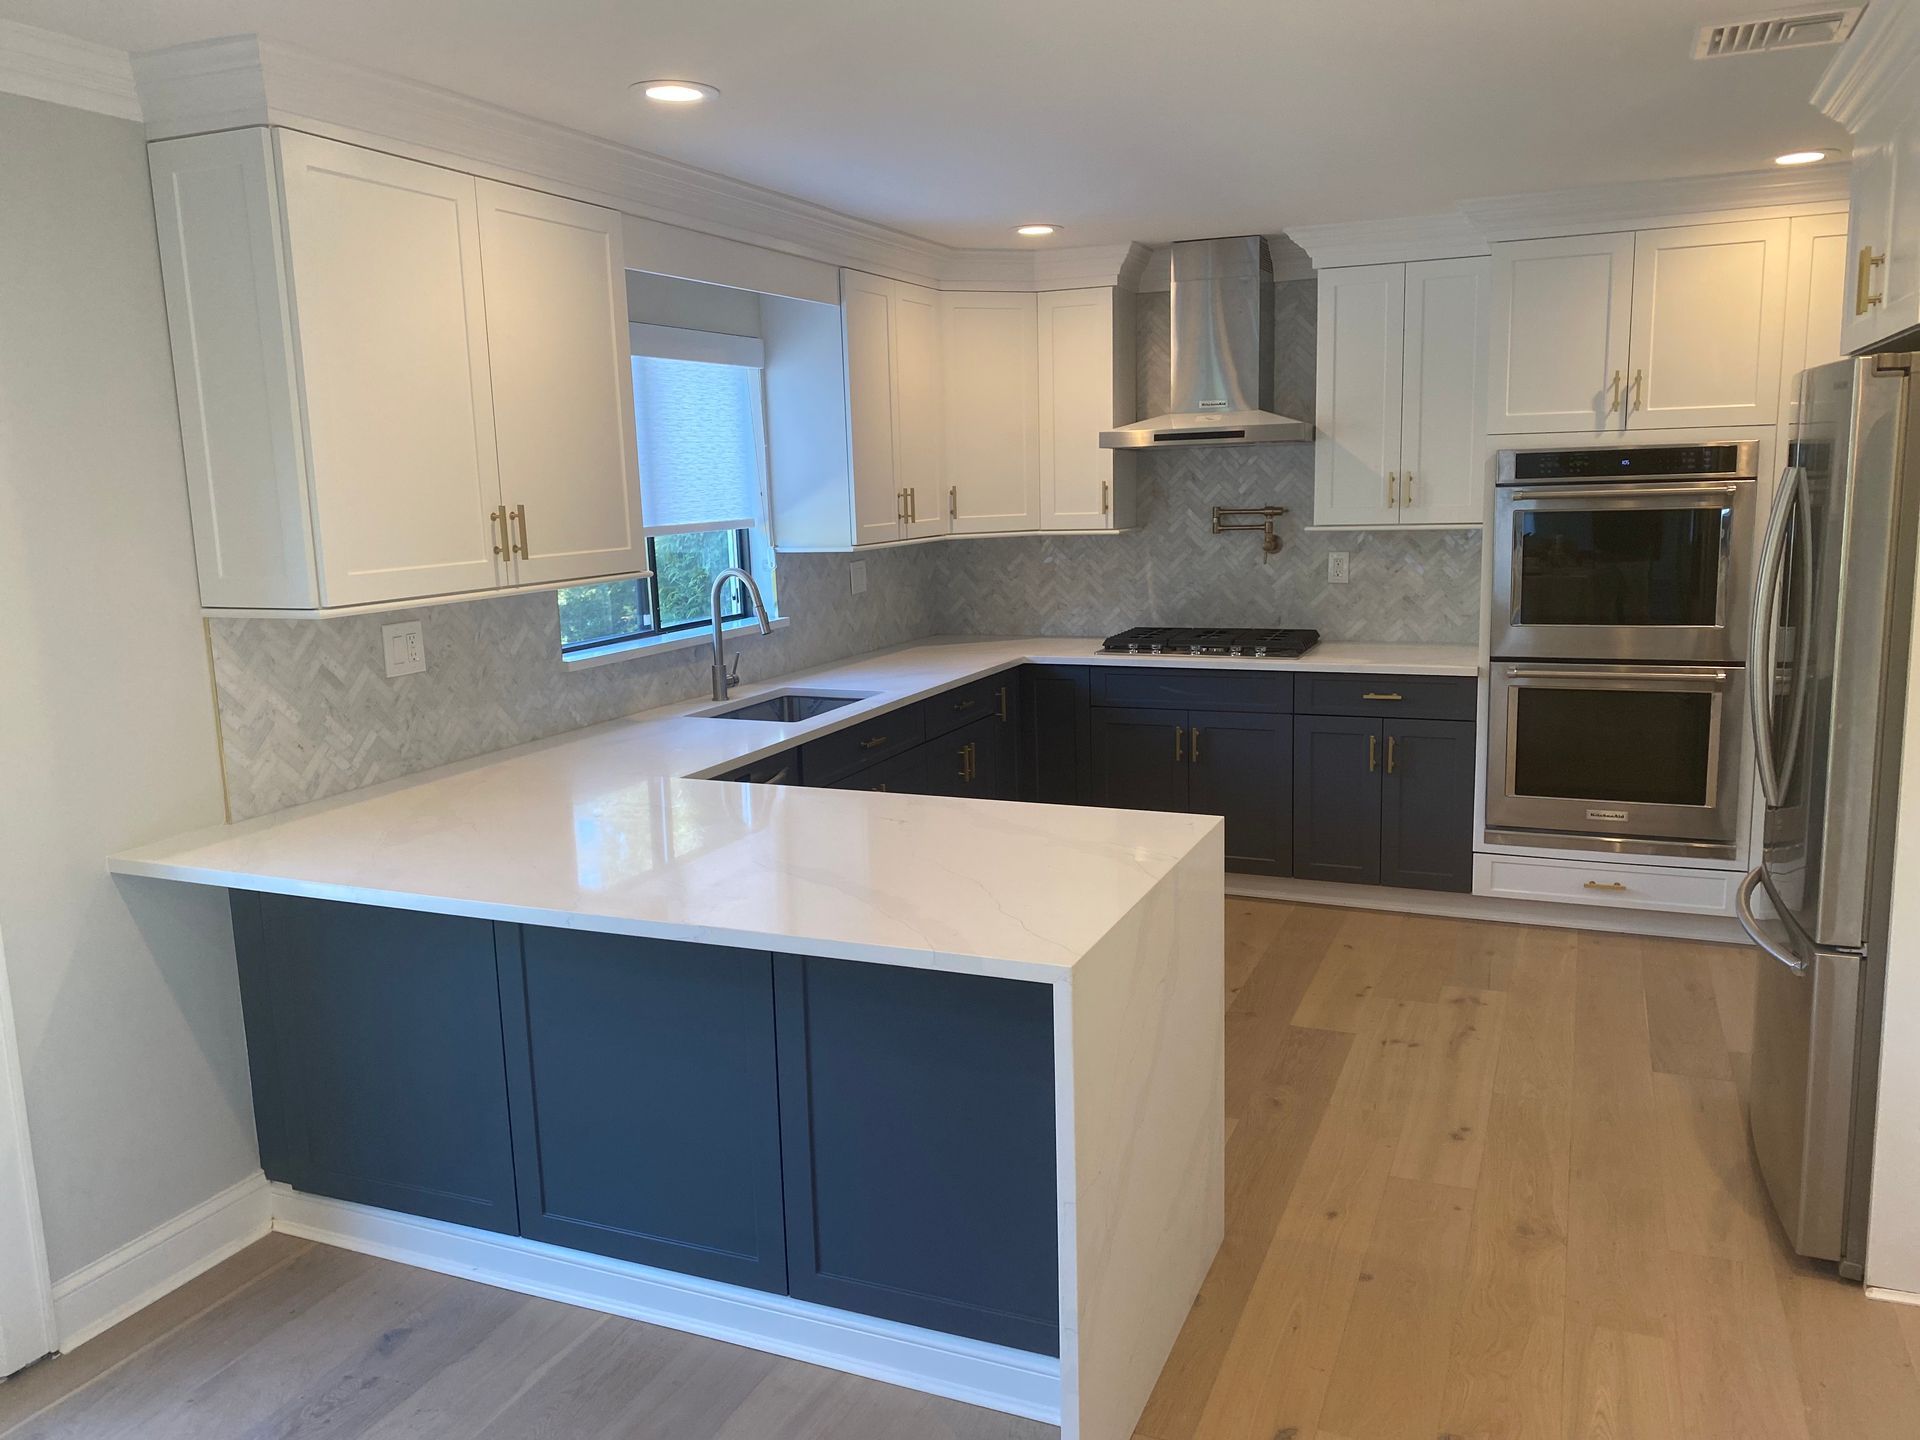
pixel 916 1110
pixel 1336 798
pixel 1427 805
pixel 646 1119
pixel 1140 759
pixel 1241 768
pixel 377 1035
pixel 1056 735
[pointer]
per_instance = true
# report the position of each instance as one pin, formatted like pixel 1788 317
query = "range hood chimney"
pixel 1222 309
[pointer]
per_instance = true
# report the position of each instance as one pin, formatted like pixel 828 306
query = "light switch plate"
pixel 857 576
pixel 1338 572
pixel 406 648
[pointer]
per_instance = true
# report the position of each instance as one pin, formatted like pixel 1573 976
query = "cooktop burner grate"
pixel 1193 640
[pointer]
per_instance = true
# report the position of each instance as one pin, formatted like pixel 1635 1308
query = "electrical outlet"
pixel 406 648
pixel 1337 570
pixel 857 576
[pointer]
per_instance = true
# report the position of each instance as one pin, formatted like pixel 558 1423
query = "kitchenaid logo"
pixel 1213 404
pixel 1606 815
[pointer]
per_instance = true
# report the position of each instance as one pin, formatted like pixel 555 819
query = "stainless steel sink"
pixel 786 707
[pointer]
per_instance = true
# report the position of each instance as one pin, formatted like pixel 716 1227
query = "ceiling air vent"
pixel 1776 32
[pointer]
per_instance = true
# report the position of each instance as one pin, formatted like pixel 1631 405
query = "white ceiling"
pixel 1120 119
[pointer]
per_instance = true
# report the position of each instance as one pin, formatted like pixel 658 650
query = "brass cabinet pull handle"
pixel 913 505
pixel 1003 702
pixel 1106 497
pixel 1193 747
pixel 1393 497
pixel 1391 745
pixel 1178 736
pixel 1406 488
pixel 873 744
pixel 1863 298
pixel 967 758
pixel 1383 695
pixel 1373 753
pixel 1639 390
pixel 520 519
pixel 900 505
pixel 1605 885
pixel 503 547
pixel 953 502
pixel 1613 404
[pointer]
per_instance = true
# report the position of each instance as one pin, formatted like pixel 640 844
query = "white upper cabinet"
pixel 1397 405
pixel 1086 386
pixel 368 396
pixel 1559 334
pixel 1816 282
pixel 879 508
pixel 991 344
pixel 1357 409
pixel 1672 328
pixel 1442 480
pixel 562 384
pixel 389 319
pixel 919 405
pixel 1709 302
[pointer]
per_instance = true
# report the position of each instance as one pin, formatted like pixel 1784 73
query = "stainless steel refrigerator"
pixel 1832 615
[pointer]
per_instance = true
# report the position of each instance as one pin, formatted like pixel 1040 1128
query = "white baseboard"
pixel 992 1376
pixel 165 1258
pixel 1896 1297
pixel 1665 924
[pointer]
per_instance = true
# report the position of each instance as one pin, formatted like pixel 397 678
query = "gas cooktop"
pixel 1190 640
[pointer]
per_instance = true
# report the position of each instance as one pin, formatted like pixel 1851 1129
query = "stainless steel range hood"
pixel 1222 321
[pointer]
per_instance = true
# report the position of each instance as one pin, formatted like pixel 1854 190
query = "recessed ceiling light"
pixel 676 92
pixel 1800 157
pixel 1034 231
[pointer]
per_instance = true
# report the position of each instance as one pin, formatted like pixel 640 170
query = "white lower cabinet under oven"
pixel 1634 758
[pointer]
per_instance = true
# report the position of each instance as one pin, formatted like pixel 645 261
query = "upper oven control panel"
pixel 1736 461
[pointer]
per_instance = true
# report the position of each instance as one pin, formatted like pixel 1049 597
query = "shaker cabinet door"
pixel 1242 770
pixel 388 307
pixel 1140 759
pixel 1356 448
pixel 991 344
pixel 1709 307
pixel 1427 805
pixel 562 384
pixel 1336 802
pixel 866 317
pixel 1443 379
pixel 1558 334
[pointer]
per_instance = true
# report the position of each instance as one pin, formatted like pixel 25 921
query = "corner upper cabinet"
pixel 1086 386
pixel 990 346
pixel 1558 336
pixel 346 352
pixel 895 440
pixel 1398 402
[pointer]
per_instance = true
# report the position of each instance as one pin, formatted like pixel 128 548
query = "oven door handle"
pixel 1670 673
pixel 1625 491
pixel 1762 632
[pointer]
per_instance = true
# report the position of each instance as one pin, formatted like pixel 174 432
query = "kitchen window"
pixel 699 418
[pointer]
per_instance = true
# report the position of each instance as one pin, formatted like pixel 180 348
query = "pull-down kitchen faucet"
pixel 722 680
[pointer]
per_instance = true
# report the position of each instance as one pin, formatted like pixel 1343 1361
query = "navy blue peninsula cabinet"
pixel 374 1041
pixel 917 1114
pixel 645 1119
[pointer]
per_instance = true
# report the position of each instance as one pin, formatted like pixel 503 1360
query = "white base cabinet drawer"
pixel 1602 882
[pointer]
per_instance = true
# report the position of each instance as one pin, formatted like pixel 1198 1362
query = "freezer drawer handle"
pixel 1749 922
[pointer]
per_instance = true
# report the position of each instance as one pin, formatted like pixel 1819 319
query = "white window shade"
pixel 698 422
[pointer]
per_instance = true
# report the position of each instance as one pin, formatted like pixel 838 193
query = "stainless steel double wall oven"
pixel 1621 598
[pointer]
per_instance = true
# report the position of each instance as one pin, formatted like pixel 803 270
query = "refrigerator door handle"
pixel 1756 930
pixel 1761 633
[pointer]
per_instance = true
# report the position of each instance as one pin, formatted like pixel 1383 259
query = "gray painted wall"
pixel 124 991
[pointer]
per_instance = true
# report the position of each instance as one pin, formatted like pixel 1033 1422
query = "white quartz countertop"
pixel 604 829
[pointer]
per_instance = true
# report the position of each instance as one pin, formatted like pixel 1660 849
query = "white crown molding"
pixel 43 65
pixel 1647 203
pixel 1379 242
pixel 1879 62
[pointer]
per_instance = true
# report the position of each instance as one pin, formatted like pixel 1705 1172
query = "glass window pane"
pixel 596 614
pixel 684 566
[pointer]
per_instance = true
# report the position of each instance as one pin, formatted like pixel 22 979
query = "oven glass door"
pixel 1618 751
pixel 1623 572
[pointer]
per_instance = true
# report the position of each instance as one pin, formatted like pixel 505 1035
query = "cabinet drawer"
pixel 968 703
pixel 1408 697
pixel 1180 689
pixel 831 757
pixel 1629 887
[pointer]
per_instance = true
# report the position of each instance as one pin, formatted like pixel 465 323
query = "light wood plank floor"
pixel 1484 1183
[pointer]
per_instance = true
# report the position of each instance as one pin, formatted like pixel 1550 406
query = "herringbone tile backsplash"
pixel 306 709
